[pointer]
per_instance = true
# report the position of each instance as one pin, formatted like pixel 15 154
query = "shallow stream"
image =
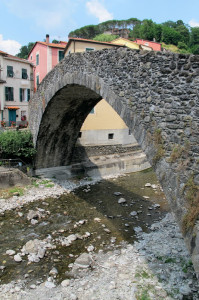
pixel 91 212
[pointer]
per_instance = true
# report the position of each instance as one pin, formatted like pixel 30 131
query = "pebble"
pixel 49 284
pixel 65 283
pixel 17 258
pixel 10 252
pixel 121 200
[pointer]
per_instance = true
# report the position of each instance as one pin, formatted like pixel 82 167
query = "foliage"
pixel 105 37
pixel 24 51
pixel 17 144
pixel 8 193
pixel 170 32
pixel 55 41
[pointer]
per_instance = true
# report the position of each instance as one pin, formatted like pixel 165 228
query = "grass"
pixel 158 141
pixel 10 192
pixel 192 196
pixel 143 295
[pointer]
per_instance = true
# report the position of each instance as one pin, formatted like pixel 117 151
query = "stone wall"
pixel 157 96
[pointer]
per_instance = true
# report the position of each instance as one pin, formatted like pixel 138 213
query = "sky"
pixel 23 21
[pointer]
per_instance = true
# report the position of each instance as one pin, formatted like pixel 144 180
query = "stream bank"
pixel 110 240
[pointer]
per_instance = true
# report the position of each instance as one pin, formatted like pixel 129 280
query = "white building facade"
pixel 16 89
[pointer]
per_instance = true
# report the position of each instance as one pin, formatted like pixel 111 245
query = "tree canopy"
pixel 24 51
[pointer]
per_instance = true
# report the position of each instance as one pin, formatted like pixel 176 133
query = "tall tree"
pixel 24 50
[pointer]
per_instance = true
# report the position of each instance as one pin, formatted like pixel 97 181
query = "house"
pixel 45 56
pixel 154 45
pixel 103 126
pixel 16 88
pixel 84 45
pixel 126 42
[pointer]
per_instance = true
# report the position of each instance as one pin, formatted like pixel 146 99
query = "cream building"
pixel 16 88
pixel 103 126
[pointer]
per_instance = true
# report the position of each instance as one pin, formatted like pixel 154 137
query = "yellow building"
pixel 127 43
pixel 103 126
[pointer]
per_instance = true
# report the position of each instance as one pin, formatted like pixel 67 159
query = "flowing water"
pixel 104 224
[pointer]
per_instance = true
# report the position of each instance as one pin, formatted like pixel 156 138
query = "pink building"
pixel 44 56
pixel 154 45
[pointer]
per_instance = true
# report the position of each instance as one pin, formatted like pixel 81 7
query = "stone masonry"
pixel 157 96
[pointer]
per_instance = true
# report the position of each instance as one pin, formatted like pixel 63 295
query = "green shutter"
pixel 12 94
pixel 6 93
pixel 28 94
pixel 20 94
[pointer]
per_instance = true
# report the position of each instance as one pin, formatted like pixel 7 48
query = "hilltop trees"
pixel 24 51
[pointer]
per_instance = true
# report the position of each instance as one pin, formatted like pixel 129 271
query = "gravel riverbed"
pixel 156 266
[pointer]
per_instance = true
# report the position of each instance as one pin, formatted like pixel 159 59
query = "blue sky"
pixel 23 21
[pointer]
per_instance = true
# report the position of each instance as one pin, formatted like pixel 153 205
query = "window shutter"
pixel 20 94
pixel 6 93
pixel 12 94
pixel 28 94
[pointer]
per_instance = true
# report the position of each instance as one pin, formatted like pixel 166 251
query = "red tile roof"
pixel 90 41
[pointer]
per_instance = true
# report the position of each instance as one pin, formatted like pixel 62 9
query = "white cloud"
pixel 9 46
pixel 193 23
pixel 98 10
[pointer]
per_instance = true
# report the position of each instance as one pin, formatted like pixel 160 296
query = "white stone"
pixel 10 252
pixel 65 283
pixel 49 284
pixel 121 200
pixel 17 258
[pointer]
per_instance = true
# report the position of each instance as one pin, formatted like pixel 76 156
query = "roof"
pixel 71 39
pixel 12 107
pixel 12 57
pixel 61 45
pixel 148 41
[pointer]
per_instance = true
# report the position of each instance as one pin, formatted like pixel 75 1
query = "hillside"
pixel 175 36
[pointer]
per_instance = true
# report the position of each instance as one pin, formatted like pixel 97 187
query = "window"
pixel 110 136
pixel 10 71
pixel 9 93
pixel 23 115
pixel 92 111
pixel 24 74
pixel 89 49
pixel 37 59
pixel 24 94
pixel 28 94
pixel 37 80
pixel 61 55
pixel 80 135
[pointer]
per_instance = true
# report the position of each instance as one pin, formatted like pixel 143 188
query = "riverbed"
pixel 77 243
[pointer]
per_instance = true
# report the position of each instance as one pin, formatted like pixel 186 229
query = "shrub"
pixel 17 144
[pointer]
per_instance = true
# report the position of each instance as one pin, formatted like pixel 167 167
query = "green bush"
pixel 17 144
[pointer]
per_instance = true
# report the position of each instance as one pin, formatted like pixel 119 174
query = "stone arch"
pixel 157 96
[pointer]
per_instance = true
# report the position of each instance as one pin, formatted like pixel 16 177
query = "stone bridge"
pixel 155 93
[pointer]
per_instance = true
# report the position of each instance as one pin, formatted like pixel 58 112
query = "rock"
pixel 156 206
pixel 53 271
pixel 97 220
pixel 107 230
pixel 83 261
pixel 17 258
pixel 71 238
pixel 147 185
pixel 90 248
pixel 32 286
pixel 33 222
pixel 81 222
pixel 133 213
pixel 20 214
pixel 137 229
pixel 65 283
pixel 117 193
pixel 10 252
pixel 185 290
pixel 121 200
pixel 33 214
pixel 50 284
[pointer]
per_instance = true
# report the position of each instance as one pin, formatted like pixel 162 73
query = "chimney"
pixel 47 38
